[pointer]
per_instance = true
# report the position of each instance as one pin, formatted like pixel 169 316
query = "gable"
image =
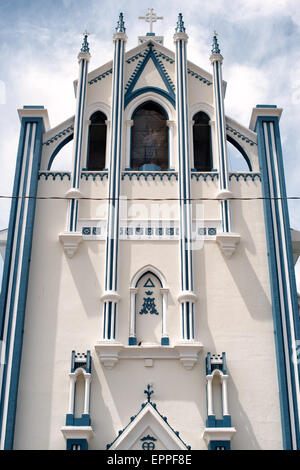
pixel 150 77
pixel 148 426
pixel 150 74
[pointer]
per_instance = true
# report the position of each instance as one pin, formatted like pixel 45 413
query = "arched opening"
pixel 65 152
pixel 202 142
pixel 79 396
pixel 217 396
pixel 238 160
pixel 149 138
pixel 148 309
pixel 97 142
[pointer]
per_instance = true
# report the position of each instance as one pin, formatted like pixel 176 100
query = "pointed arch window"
pixel 149 138
pixel 202 142
pixel 148 309
pixel 97 142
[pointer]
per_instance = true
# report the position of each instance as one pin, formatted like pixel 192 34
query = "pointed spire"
pixel 85 44
pixel 121 25
pixel 180 28
pixel 148 392
pixel 215 45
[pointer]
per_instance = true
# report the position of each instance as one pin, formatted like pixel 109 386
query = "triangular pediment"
pixel 150 77
pixel 150 74
pixel 147 429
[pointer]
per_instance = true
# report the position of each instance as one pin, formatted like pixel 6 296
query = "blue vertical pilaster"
pixel 110 297
pixel 17 261
pixel 187 296
pixel 265 121
pixel 217 59
pixel 83 59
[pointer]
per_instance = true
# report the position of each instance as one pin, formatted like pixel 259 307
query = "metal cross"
pixel 151 18
pixel 148 392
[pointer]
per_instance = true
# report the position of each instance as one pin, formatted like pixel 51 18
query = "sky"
pixel 259 40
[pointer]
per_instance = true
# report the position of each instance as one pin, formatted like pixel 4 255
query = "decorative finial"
pixel 121 25
pixel 215 45
pixel 85 44
pixel 148 393
pixel 180 28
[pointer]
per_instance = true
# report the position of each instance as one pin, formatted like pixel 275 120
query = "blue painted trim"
pixel 147 89
pixel 33 107
pixel 148 273
pixel 163 110
pixel 11 228
pixel 149 174
pixel 131 341
pixel 108 446
pixel 213 444
pixel 274 276
pixel 60 134
pixel 54 175
pixel 130 94
pixel 241 150
pixel 165 342
pixel 18 338
pixel 212 422
pixel 58 148
pixel 82 442
pixel 85 420
pixel 266 106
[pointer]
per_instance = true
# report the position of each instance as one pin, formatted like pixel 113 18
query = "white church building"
pixel 148 297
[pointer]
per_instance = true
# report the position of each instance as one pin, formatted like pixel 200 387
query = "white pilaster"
pixel 112 237
pixel 186 262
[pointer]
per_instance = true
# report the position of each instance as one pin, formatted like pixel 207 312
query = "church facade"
pixel 149 297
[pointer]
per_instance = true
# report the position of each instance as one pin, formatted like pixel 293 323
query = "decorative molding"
pixel 218 434
pixel 150 174
pixel 149 54
pixel 66 131
pixel 100 77
pixel 110 296
pixel 161 175
pixel 74 193
pixel 110 352
pixel 165 432
pixel 239 135
pixel 224 194
pixel 143 57
pixel 54 174
pixel 136 57
pixel 94 174
pixel 188 353
pixel 204 175
pixel 228 242
pixel 70 242
pixel 187 296
pixel 245 176
pixel 95 229
pixel 199 77
pixel 77 432
pixel 165 57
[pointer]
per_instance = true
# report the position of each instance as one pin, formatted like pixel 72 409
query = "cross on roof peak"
pixel 151 17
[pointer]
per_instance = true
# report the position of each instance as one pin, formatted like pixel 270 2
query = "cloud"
pixel 246 87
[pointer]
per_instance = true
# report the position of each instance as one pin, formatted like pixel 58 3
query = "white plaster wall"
pixel 233 314
pixel 64 312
